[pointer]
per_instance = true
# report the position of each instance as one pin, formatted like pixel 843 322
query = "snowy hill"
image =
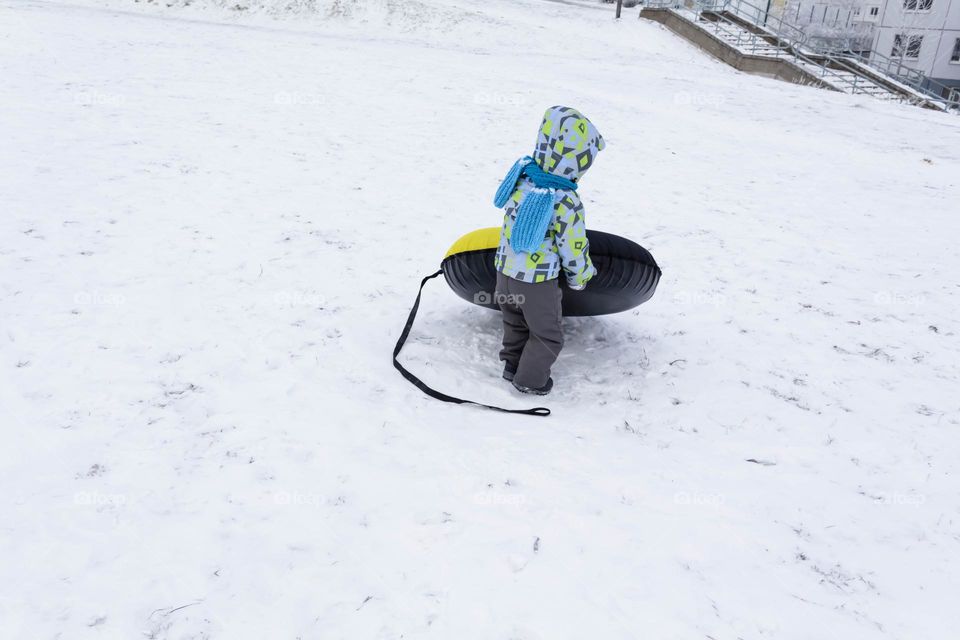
pixel 212 229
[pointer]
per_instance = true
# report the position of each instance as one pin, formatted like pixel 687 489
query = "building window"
pixel 913 46
pixel 955 56
pixel 917 5
pixel 874 11
pixel 905 46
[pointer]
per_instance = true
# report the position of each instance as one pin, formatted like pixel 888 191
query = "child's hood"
pixel 567 144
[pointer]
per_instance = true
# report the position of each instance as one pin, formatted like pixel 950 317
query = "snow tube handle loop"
pixel 433 393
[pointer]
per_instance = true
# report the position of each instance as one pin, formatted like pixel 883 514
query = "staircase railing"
pixel 761 17
pixel 894 67
pixel 916 80
pixel 663 4
pixel 930 90
pixel 792 41
pixel 752 42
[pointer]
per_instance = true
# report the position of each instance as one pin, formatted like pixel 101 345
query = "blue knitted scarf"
pixel 536 210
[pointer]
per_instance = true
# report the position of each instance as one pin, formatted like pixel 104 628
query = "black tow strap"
pixel 433 393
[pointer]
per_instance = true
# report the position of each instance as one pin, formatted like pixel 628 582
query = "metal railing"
pixel 775 37
pixel 778 38
pixel 761 17
pixel 930 90
pixel 893 67
pixel 916 80
pixel 662 4
pixel 752 42
pixel 742 39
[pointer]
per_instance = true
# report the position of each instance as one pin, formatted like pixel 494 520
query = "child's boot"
pixel 540 391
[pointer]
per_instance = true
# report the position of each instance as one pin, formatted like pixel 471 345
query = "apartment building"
pixel 924 35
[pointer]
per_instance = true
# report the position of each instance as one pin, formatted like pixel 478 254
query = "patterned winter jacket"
pixel 567 145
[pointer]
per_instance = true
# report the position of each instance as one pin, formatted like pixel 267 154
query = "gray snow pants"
pixel 532 327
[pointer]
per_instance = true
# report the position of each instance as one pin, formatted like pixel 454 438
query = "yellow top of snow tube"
pixel 479 240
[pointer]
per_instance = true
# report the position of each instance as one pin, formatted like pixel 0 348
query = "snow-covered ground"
pixel 212 226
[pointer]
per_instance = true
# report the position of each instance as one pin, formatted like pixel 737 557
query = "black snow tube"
pixel 627 275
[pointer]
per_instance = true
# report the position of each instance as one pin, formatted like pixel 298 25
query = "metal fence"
pixel 790 39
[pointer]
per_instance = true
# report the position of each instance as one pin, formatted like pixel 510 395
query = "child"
pixel 543 234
